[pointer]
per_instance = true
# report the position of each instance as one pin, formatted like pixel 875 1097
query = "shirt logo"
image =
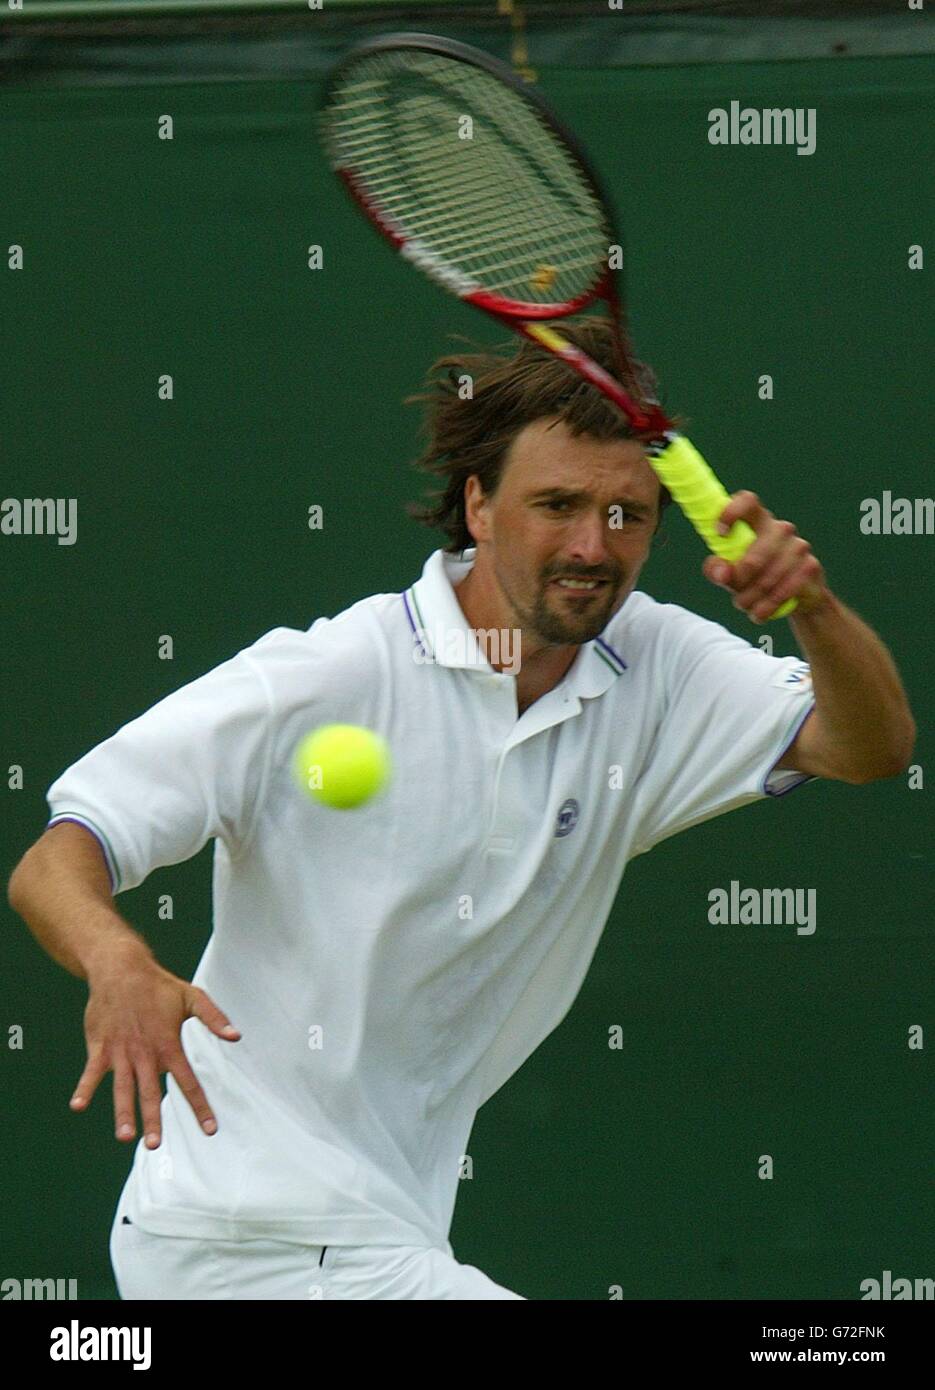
pixel 799 677
pixel 567 818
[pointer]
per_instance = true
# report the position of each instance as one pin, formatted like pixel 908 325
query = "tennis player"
pixel 374 976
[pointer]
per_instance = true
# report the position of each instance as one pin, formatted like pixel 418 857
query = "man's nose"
pixel 588 545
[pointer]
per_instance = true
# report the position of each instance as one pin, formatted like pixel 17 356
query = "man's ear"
pixel 474 499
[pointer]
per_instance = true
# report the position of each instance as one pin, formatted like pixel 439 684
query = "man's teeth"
pixel 578 583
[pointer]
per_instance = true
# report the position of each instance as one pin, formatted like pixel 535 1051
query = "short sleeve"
pixel 190 769
pixel 730 712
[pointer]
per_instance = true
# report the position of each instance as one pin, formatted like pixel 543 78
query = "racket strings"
pixel 507 207
pixel 445 217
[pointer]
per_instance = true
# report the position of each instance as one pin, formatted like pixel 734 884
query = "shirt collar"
pixel 442 635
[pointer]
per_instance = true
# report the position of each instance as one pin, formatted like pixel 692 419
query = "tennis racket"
pixel 470 176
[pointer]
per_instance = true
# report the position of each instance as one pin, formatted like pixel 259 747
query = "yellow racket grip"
pixel 680 467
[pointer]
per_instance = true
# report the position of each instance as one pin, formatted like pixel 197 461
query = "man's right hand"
pixel 132 1027
pixel 62 889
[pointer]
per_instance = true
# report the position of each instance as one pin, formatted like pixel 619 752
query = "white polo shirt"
pixel 392 966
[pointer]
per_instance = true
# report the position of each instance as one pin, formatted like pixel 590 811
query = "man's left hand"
pixel 779 564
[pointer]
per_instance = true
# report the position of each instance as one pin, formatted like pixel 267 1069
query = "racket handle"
pixel 680 468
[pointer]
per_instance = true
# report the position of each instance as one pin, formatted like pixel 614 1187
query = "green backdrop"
pixel 592 1167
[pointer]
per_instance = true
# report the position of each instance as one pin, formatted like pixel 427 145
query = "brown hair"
pixel 474 435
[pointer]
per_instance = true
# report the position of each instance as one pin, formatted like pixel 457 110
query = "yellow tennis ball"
pixel 341 765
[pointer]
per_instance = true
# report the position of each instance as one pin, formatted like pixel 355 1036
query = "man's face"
pixel 551 518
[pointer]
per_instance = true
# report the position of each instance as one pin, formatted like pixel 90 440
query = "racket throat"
pixel 585 366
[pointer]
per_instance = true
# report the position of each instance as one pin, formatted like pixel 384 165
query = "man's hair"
pixel 473 434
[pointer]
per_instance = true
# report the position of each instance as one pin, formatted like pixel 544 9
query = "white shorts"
pixel 148 1266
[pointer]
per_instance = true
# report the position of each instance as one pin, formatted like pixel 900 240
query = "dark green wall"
pixel 592 1167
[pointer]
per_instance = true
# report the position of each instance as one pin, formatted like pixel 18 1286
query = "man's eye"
pixel 616 515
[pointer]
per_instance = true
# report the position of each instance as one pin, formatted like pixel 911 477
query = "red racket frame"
pixel 515 314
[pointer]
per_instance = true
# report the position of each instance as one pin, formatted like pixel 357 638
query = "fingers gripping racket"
pixel 470 176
